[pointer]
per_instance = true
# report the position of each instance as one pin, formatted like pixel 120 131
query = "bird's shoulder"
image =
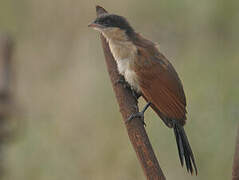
pixel 148 52
pixel 153 66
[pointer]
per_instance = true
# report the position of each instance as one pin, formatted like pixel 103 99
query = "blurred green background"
pixel 71 127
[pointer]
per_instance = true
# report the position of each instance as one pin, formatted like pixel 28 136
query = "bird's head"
pixel 112 26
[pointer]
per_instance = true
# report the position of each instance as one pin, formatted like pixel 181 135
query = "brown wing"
pixel 159 83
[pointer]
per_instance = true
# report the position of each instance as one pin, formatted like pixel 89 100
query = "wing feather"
pixel 160 84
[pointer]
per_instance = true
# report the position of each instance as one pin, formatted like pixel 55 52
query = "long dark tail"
pixel 184 149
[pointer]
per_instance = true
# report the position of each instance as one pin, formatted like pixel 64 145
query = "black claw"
pixel 136 95
pixel 139 114
pixel 136 115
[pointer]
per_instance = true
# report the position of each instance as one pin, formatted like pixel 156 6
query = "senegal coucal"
pixel 150 74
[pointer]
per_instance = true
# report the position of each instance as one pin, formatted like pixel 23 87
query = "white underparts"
pixel 124 53
pixel 129 75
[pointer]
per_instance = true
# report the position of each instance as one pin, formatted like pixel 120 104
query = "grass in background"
pixel 73 128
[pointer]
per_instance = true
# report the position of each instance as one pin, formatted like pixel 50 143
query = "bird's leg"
pixel 139 114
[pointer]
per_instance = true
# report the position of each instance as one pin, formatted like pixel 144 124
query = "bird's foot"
pixel 139 115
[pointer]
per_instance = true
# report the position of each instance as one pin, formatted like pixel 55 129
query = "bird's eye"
pixel 107 21
pixel 97 21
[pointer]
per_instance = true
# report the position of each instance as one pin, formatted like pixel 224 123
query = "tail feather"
pixel 184 149
pixel 180 145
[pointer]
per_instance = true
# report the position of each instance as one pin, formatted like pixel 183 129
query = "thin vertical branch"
pixel 5 95
pixel 6 47
pixel 235 169
pixel 128 105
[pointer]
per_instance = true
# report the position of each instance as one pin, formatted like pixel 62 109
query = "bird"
pixel 150 75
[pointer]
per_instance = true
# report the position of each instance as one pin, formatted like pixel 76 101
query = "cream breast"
pixel 129 75
pixel 124 54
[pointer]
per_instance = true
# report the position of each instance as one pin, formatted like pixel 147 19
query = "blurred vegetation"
pixel 72 125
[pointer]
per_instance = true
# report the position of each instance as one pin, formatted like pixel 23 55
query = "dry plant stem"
pixel 5 72
pixel 128 105
pixel 5 95
pixel 235 169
